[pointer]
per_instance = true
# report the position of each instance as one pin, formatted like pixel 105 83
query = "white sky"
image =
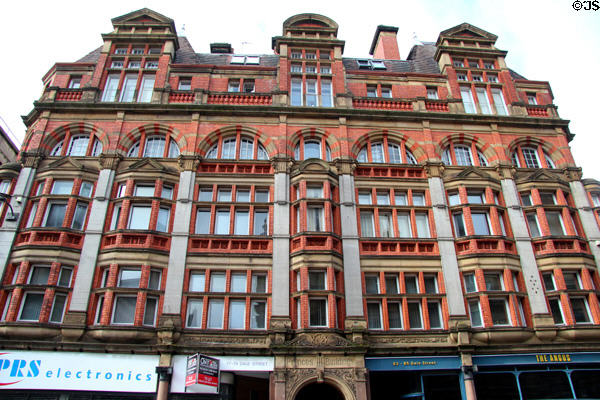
pixel 546 40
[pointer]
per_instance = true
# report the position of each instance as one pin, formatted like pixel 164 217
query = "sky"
pixel 546 40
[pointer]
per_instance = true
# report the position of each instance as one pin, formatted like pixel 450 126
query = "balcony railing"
pixel 230 245
pixel 487 245
pixel 382 104
pixel 562 245
pixel 240 99
pixel 68 95
pixel 52 238
pixel 404 247
pixel 181 97
pixel 137 240
pixel 315 242
pixel 537 111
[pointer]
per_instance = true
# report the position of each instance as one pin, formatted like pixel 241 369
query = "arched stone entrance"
pixel 319 391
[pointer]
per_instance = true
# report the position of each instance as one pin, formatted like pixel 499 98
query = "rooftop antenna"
pixel 183 30
pixel 416 41
pixel 243 45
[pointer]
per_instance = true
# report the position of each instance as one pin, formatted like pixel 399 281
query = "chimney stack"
pixel 385 44
pixel 221 48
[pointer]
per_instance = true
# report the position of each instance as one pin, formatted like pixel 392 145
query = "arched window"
pixel 312 148
pixel 396 153
pixel 79 146
pixel 529 157
pixel 240 147
pixel 154 146
pixel 460 154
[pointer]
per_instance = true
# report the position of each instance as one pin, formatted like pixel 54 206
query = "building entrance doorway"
pixel 319 391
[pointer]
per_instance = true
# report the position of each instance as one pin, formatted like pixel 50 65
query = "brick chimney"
pixel 385 44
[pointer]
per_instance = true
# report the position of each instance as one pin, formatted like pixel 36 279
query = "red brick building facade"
pixel 357 226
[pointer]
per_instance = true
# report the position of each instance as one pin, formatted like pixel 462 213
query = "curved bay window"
pixel 233 299
pixel 496 298
pixel 531 157
pixel 314 208
pixel 36 292
pixel 238 147
pixel 476 212
pixel 314 147
pixel 78 145
pixel 462 154
pixel 232 210
pixel 154 146
pixel 315 300
pixel 394 213
pixel 573 295
pixel 59 204
pixel 386 151
pixel 128 296
pixel 404 300
pixel 142 205
pixel 548 213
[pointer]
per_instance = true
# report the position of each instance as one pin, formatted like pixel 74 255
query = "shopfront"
pixel 430 378
pixel 537 376
pixel 66 375
pixel 240 377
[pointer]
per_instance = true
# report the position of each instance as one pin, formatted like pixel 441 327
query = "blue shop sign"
pixel 412 363
pixel 536 358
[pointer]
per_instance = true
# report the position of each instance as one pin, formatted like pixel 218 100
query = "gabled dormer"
pixel 466 41
pixel 141 24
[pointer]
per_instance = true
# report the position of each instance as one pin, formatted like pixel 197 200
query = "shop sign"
pixel 202 374
pixel 412 363
pixel 226 363
pixel 536 358
pixel 47 370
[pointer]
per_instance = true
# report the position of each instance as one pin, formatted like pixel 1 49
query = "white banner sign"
pixel 228 363
pixel 77 371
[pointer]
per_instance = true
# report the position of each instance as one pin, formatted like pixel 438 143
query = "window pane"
pixel 238 283
pixel 385 225
pixel 470 283
pixel 144 191
pixel 411 284
pixel 124 310
pixel 374 315
pixel 217 282
pixel 86 189
pixel 493 282
pixel 311 94
pixel 499 314
pixel 533 226
pixel 555 223
pixel 475 313
pixel 366 224
pixel 317 312
pixel 196 282
pixel 312 149
pixel 215 314
pixel 315 219
pixel 430 283
pixel 422 225
pixel 222 222
pixel 78 146
pixel 242 195
pixel 418 199
pixel 580 310
pixel 261 196
pixel 453 199
pixel 259 283
pixel 391 284
pixel 150 311
pixel 496 386
pixel 400 199
pixel 130 278
pixel 205 194
pixel 314 192
pixel 484 102
pixel 586 384
pixel 194 313
pixel 394 153
pixel 246 149
pixel 56 215
pixel 58 308
pixel 395 315
pixel 228 150
pixel 547 198
pixel 258 315
pixel 32 305
pixel 414 315
pixel 326 99
pixel 571 280
pixel 371 284
pixel 224 195
pixel 296 97
pixel 316 280
pixel 364 197
pixel 463 155
pixel 548 281
pixel 530 156
pixel 459 225
pixel 377 152
pixel 242 219
pixel 64 279
pixel 203 221
pixel 39 275
pixel 556 311
pixel 467 99
pixel 435 320
pixel 404 225
pixel 140 217
pixel 237 314
pixel 261 223
pixel 534 385
pixel 110 88
pixel 154 280
pixel 146 89
pixel 128 89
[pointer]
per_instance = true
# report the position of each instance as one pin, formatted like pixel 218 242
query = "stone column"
pixel 280 296
pixel 535 292
pixel 350 246
pixel 586 213
pixel 91 243
pixel 445 239
pixel 179 242
pixel 18 201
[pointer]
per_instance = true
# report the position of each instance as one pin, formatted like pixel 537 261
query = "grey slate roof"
pixel 420 59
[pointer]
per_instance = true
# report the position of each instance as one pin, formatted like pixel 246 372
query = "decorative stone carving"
pixel 318 340
pixel 188 163
pixel 109 161
pixel 434 169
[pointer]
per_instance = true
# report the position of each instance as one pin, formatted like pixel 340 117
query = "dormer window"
pixel 75 82
pixel 185 84
pixel 121 50
pixel 371 64
pixel 532 99
pixel 247 60
pixel 432 93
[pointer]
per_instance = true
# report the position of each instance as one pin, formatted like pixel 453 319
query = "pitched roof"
pixel 420 60
pixel 91 57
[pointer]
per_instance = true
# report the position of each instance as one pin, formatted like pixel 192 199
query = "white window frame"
pixel 467 99
pixel 326 304
pixel 380 316
pixel 188 312
pixel 114 310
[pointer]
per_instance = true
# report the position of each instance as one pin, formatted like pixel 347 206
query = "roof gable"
pixel 144 15
pixel 468 30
